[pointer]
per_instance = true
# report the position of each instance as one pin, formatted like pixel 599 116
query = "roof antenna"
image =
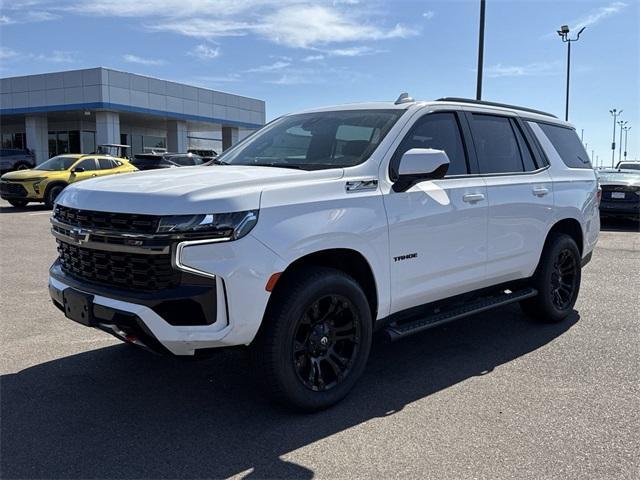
pixel 404 98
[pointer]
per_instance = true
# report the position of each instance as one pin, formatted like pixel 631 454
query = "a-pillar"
pixel 37 131
pixel 107 128
pixel 177 140
pixel 229 137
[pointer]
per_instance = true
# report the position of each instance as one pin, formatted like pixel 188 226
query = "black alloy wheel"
pixel 563 279
pixel 326 342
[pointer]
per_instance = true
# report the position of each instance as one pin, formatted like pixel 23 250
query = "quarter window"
pixel 567 144
pixel 439 131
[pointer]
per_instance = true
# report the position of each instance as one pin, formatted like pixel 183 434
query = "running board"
pixel 396 331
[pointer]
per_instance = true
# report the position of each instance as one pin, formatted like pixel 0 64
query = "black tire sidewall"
pixel 49 198
pixel 545 307
pixel 18 203
pixel 322 282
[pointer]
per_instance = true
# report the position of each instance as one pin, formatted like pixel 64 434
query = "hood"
pixel 19 175
pixel 186 190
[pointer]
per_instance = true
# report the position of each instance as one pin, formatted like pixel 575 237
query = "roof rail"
pixel 494 104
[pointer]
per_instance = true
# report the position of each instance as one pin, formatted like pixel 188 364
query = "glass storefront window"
pixel 136 144
pixel 63 142
pixel 74 142
pixel 14 140
pixel 151 142
pixel 88 141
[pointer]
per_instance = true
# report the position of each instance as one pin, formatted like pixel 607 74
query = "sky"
pixel 298 54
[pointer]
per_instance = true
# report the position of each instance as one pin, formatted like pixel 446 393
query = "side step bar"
pixel 396 331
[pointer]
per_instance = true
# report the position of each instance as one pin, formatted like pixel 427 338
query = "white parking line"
pixel 40 213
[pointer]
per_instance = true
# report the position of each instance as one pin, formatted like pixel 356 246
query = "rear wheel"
pixel 315 340
pixel 18 203
pixel 22 166
pixel 51 194
pixel 557 280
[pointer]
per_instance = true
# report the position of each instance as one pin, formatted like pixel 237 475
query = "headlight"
pixel 213 225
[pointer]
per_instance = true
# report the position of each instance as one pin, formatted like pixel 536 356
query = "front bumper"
pixel 12 190
pixel 236 274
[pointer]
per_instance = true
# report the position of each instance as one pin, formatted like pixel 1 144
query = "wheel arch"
pixel 346 260
pixel 52 184
pixel 571 227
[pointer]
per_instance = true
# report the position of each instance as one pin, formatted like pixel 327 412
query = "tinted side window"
pixel 525 151
pixel 439 131
pixel 88 164
pixel 106 163
pixel 496 144
pixel 567 144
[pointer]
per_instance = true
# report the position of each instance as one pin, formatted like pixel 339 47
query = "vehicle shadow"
pixel 6 208
pixel 618 225
pixel 118 412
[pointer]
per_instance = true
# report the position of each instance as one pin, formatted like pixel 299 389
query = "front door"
pixel 438 228
pixel 89 169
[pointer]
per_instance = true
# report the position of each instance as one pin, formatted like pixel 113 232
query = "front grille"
pixel 117 269
pixel 12 189
pixel 120 222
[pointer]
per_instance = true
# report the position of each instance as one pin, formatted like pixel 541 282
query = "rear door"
pixel 520 194
pixel 437 228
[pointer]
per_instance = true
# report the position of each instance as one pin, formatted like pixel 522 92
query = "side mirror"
pixel 77 170
pixel 419 164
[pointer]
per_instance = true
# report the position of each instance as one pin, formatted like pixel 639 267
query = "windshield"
pixel 57 164
pixel 629 166
pixel 312 141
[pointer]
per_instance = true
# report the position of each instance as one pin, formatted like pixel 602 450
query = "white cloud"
pixel 304 26
pixel 429 14
pixel 313 58
pixel 279 65
pixel 4 20
pixel 6 53
pixel 205 52
pixel 40 16
pixel 594 16
pixel 293 23
pixel 142 61
pixel 352 51
pixel 529 70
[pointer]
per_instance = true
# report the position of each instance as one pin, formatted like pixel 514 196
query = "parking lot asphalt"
pixel 492 396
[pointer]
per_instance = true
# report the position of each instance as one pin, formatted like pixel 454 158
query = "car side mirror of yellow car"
pixel 77 170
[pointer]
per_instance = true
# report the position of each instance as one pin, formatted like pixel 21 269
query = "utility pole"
pixel 615 114
pixel 626 131
pixel 480 51
pixel 564 34
pixel 582 135
pixel 622 124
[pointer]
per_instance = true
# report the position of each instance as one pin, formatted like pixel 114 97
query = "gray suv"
pixel 16 159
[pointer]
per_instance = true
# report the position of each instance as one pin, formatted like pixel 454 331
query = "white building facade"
pixel 74 111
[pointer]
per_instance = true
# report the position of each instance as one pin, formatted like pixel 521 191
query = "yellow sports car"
pixel 45 182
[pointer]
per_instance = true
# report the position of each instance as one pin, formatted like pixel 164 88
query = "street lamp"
pixel 615 114
pixel 622 124
pixel 564 34
pixel 626 132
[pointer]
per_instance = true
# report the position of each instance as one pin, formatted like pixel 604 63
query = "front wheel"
pixel 557 280
pixel 51 194
pixel 315 340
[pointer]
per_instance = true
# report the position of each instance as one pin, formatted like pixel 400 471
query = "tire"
pixel 557 280
pixel 315 339
pixel 22 166
pixel 18 203
pixel 52 193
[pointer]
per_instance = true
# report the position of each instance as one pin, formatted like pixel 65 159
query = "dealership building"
pixel 74 111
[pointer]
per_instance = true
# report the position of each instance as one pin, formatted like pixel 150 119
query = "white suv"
pixel 327 225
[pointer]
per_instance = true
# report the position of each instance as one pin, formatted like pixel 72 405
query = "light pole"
pixel 626 132
pixel 564 34
pixel 615 114
pixel 622 124
pixel 480 51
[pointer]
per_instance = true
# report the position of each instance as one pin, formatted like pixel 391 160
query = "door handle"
pixel 540 191
pixel 472 197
